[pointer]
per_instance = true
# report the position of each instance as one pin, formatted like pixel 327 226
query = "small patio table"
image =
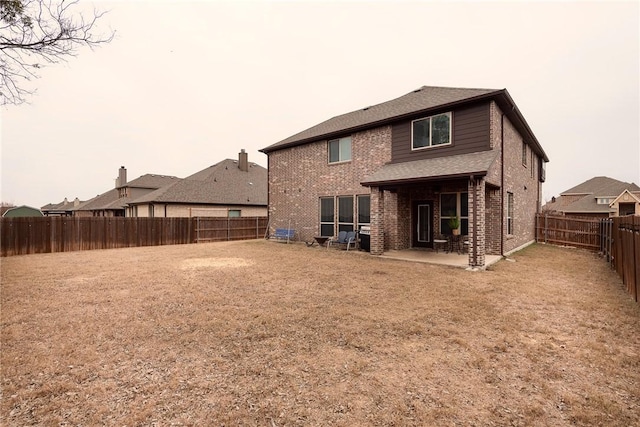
pixel 443 242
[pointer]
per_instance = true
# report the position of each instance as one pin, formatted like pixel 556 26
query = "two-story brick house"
pixel 406 166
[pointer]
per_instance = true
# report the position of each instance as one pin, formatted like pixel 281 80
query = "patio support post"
pixel 377 221
pixel 477 207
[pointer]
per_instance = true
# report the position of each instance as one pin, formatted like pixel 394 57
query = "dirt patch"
pixel 260 333
pixel 196 263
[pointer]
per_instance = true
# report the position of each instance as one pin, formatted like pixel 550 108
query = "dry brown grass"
pixel 268 334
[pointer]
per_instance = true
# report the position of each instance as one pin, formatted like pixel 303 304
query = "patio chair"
pixel 351 239
pixel 341 239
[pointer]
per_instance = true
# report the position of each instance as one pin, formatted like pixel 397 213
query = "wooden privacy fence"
pixel 617 239
pixel 567 231
pixel 20 236
pixel 621 246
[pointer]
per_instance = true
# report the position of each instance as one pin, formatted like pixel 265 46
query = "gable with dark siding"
pixel 470 133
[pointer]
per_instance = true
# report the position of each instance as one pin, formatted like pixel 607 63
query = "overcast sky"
pixel 185 85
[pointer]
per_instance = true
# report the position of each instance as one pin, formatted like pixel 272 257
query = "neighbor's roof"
pixel 441 168
pixel 590 190
pixel 22 211
pixel 222 184
pixel 151 181
pixel 110 200
pixel 100 202
pixel 602 186
pixel 64 205
pixel 422 100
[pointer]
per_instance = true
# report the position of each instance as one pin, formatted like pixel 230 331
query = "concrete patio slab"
pixel 430 256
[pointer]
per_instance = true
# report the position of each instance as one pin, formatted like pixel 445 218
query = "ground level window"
pixel 345 213
pixel 348 218
pixel 364 210
pixel 234 213
pixel 327 216
pixel 509 213
pixel 454 205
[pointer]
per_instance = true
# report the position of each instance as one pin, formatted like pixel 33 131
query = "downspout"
pixel 474 200
pixel 502 184
pixel 267 231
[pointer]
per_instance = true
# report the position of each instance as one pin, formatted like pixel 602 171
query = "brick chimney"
pixel 121 181
pixel 243 161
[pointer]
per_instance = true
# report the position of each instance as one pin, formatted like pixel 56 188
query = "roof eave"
pixel 513 113
pixel 383 122
pixel 422 179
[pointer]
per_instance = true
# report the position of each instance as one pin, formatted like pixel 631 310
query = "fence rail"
pixel 617 239
pixel 621 246
pixel 21 236
pixel 567 231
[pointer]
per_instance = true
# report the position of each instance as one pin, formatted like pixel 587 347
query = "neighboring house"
pixel 405 166
pixel 114 202
pixel 64 208
pixel 21 212
pixel 598 197
pixel 229 188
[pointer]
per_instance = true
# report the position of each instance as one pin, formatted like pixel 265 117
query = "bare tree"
pixel 34 33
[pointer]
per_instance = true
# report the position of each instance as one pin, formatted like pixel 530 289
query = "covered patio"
pixel 428 256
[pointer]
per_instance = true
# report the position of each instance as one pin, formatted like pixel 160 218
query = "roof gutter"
pixel 378 123
pixel 422 179
pixel 501 96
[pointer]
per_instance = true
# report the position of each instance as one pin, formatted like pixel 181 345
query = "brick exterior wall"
pixel 519 180
pixel 477 217
pixel 299 176
pixel 377 221
pixel 493 221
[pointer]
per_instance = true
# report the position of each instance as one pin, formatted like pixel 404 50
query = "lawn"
pixel 269 334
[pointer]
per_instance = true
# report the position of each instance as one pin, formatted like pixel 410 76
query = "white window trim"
pixel 510 204
pixel 339 141
pixel 448 113
pixel 353 213
pixel 320 222
pixel 357 217
pixel 458 211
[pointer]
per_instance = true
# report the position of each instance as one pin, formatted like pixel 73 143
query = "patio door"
pixel 422 224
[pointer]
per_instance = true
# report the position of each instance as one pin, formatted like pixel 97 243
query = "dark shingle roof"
pixel 223 183
pixel 425 98
pixel 441 167
pixel 110 200
pixel 602 186
pixel 64 205
pixel 591 190
pixel 152 181
pixel 100 202
pixel 422 100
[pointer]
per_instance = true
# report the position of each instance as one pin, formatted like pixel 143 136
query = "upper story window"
pixel 431 131
pixel 524 153
pixel 340 150
pixel 604 200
